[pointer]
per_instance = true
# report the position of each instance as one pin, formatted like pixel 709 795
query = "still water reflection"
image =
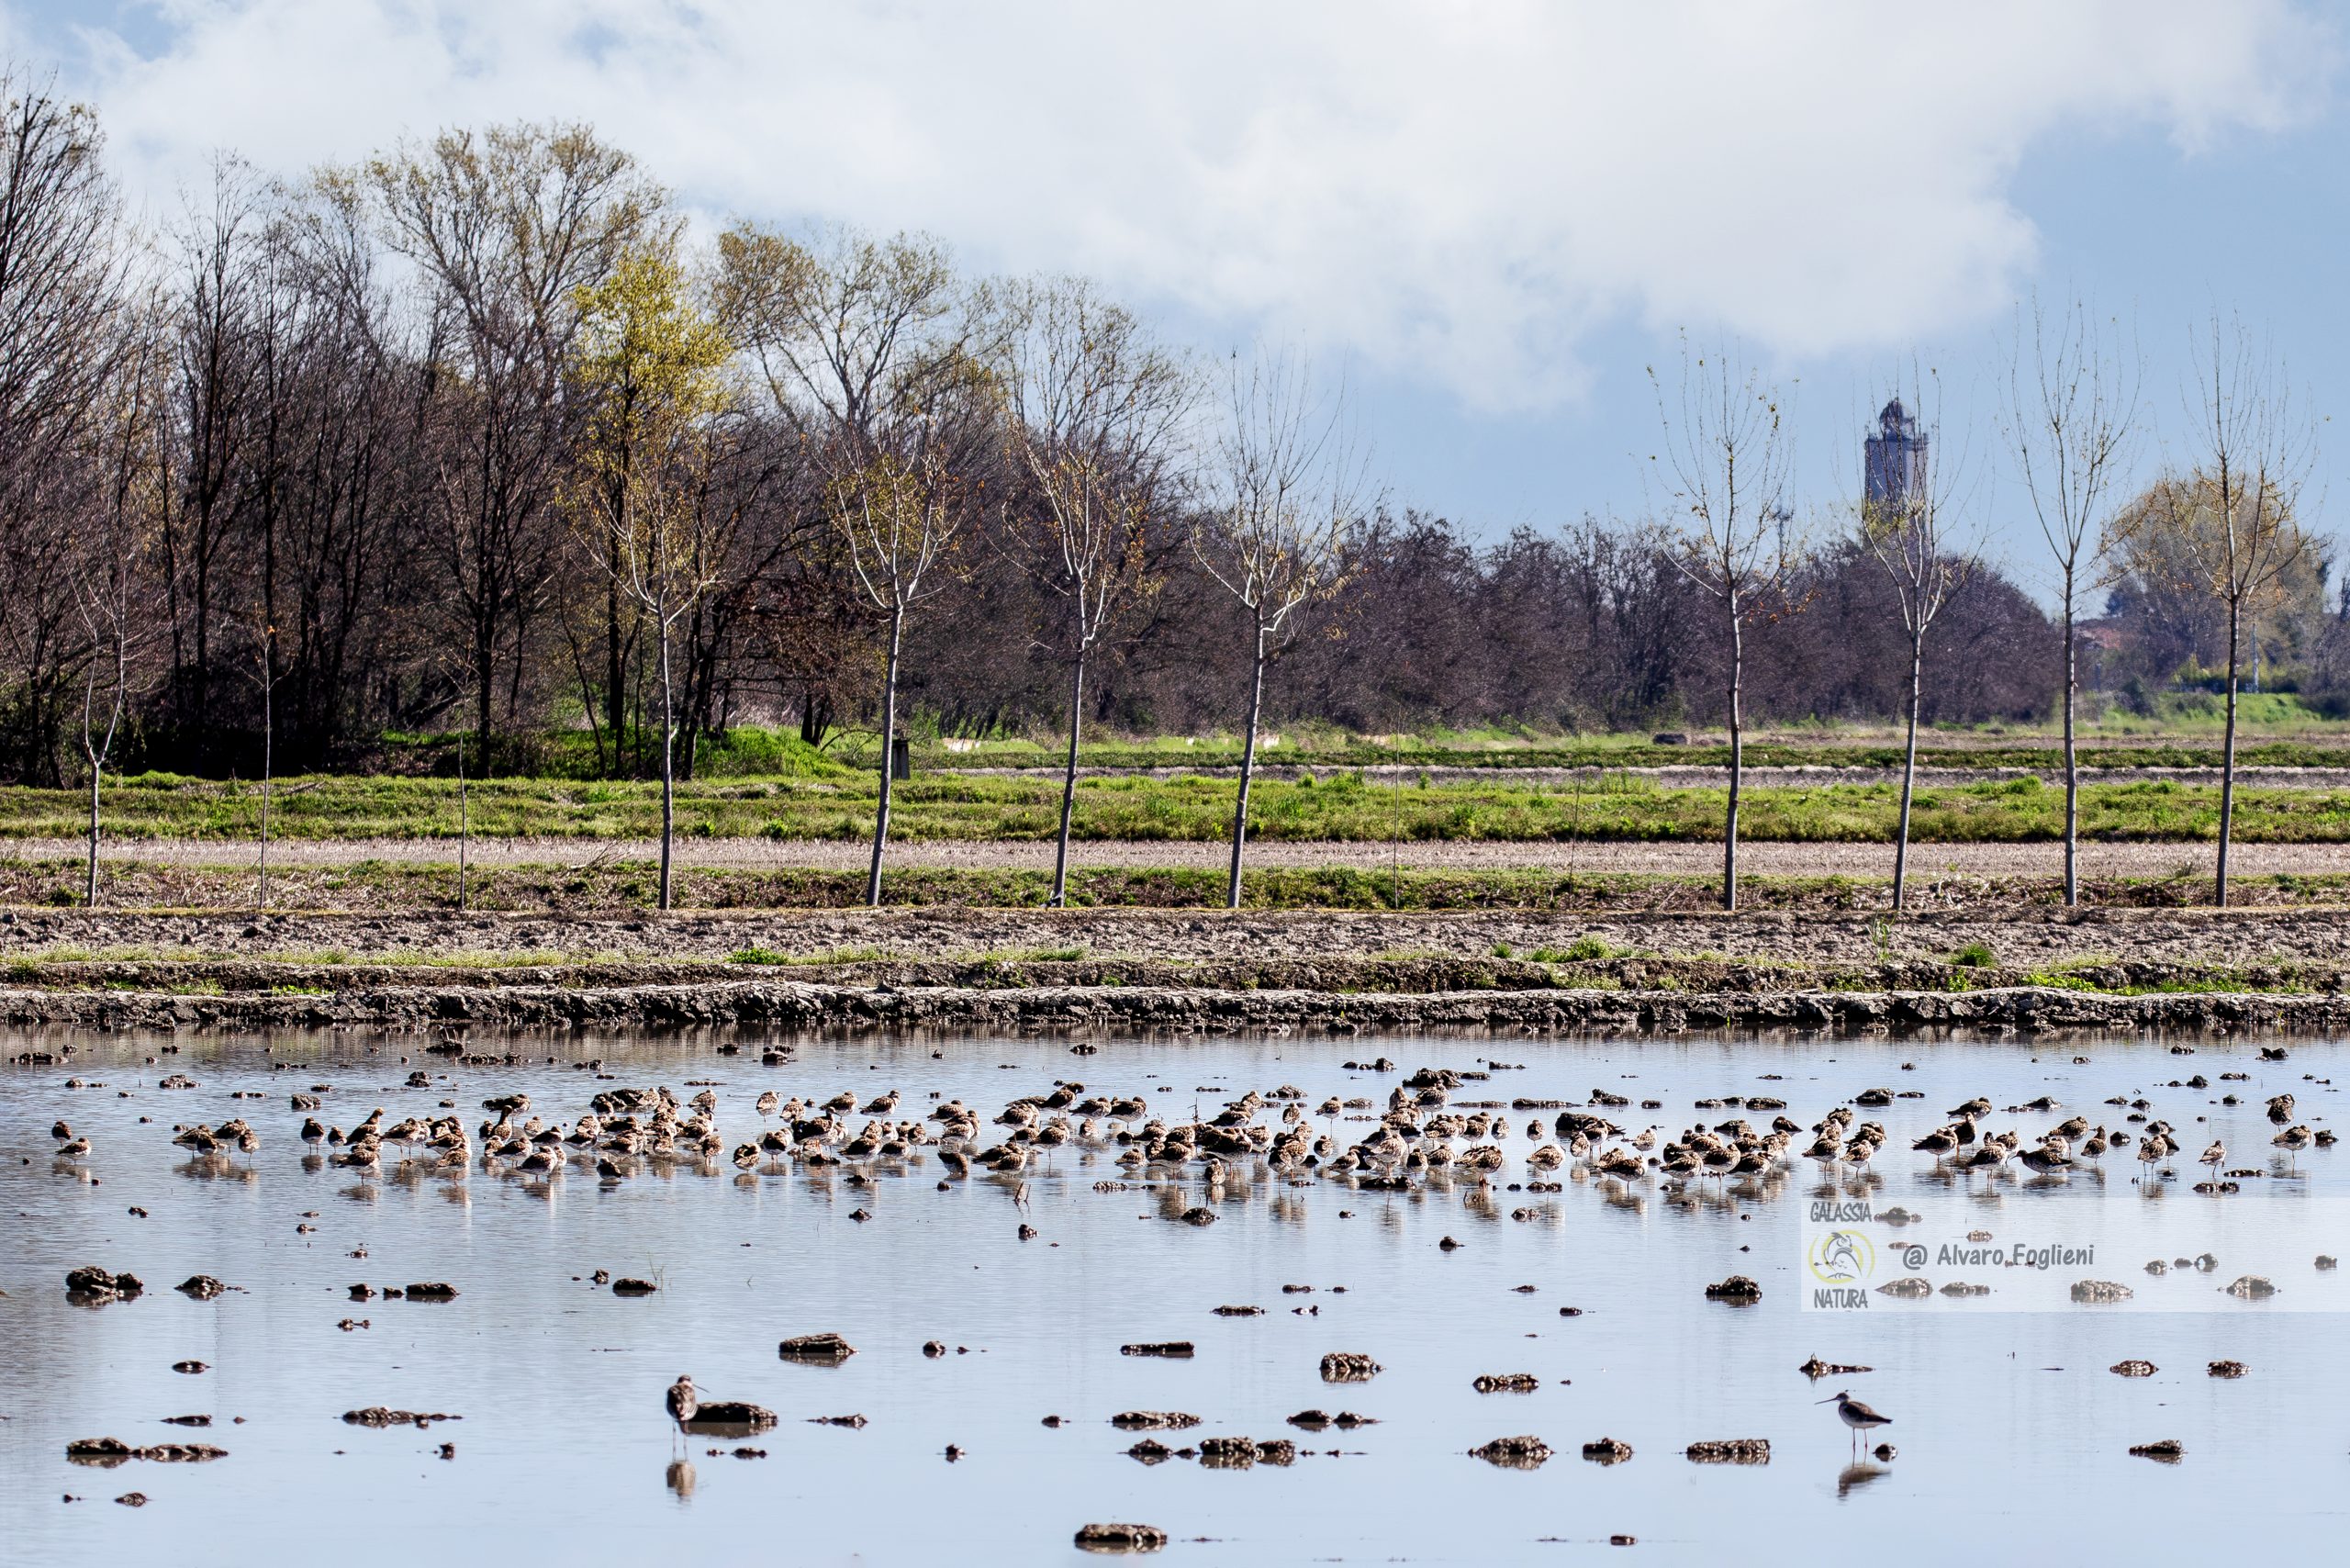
pixel 2012 1433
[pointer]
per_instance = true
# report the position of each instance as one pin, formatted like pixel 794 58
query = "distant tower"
pixel 1893 462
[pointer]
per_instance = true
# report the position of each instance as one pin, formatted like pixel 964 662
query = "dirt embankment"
pixel 2013 934
pixel 1089 1012
pixel 1108 971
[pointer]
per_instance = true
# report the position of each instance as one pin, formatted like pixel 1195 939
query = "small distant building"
pixel 1893 462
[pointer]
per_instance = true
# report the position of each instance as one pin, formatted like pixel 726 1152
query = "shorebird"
pixel 1856 1415
pixel 2049 1157
pixel 682 1402
pixel 2292 1140
pixel 2215 1156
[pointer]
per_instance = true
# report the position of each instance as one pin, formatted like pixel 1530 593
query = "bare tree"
pixel 63 266
pixel 1909 522
pixel 2232 524
pixel 1286 484
pixel 898 516
pixel 508 227
pixel 109 585
pixel 1091 408
pixel 2072 421
pixel 1726 468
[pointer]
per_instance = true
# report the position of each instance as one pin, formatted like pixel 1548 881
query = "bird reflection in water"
pixel 1853 1477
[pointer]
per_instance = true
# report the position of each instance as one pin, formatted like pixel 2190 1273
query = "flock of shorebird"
pixel 1419 1129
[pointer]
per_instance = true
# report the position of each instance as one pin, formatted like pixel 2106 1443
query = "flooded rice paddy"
pixel 980 1304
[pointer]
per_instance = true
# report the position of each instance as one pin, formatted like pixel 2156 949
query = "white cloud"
pixel 1462 188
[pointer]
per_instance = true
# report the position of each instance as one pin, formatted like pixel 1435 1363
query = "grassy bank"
pixel 1335 806
pixel 626 887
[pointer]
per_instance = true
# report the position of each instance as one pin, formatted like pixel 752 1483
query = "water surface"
pixel 2012 1432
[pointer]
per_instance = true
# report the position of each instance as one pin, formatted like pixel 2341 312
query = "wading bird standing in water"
pixel 1856 1415
pixel 682 1401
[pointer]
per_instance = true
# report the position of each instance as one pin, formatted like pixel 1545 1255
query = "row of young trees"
pixel 472 436
pixel 2220 540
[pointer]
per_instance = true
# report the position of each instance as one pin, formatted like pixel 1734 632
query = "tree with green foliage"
pixel 650 365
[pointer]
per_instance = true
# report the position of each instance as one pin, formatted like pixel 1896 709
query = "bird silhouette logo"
pixel 1841 1256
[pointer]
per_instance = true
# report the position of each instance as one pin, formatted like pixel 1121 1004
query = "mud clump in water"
pixel 431 1291
pixel 109 1452
pixel 1523 1452
pixel 1731 1450
pixel 2099 1293
pixel 1239 1453
pixel 377 1416
pixel 1120 1537
pixel 1914 1288
pixel 200 1287
pixel 1153 1420
pixel 1816 1368
pixel 2133 1369
pixel 2170 1451
pixel 1607 1451
pixel 1507 1383
pixel 2227 1369
pixel 2252 1287
pixel 1738 1290
pixel 1178 1349
pixel 1348 1366
pixel 822 1349
pixel 731 1417
pixel 91 1286
pixel 1316 1420
pixel 633 1287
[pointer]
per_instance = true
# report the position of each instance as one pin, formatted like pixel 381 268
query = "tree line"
pixel 474 437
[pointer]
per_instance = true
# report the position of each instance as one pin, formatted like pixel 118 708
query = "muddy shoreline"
pixel 1143 973
pixel 789 1007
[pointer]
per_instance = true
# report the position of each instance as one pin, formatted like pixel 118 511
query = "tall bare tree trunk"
pixel 615 678
pixel 1908 778
pixel 90 892
pixel 1737 756
pixel 888 755
pixel 2072 759
pixel 98 754
pixel 1068 783
pixel 1247 770
pixel 668 754
pixel 2228 755
pixel 465 826
pixel 268 760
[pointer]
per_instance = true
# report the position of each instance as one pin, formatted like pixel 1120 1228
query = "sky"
pixel 1487 219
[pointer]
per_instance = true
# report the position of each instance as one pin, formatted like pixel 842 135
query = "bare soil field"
pixel 1759 858
pixel 833 937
